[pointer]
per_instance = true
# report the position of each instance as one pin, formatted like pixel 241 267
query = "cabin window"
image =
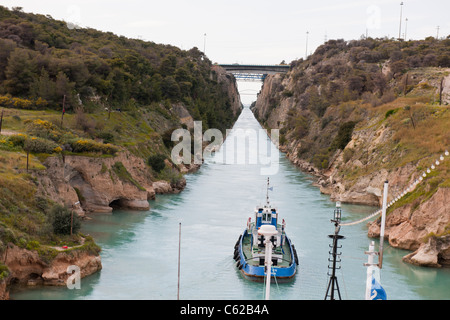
pixel 267 217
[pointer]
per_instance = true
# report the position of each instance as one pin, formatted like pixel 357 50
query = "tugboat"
pixel 253 248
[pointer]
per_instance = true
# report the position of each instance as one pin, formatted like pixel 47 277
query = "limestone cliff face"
pixel 229 85
pixel 266 102
pixel 356 173
pixel 27 267
pixel 98 184
pixel 416 228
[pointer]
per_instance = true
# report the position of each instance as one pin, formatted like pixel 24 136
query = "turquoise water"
pixel 140 249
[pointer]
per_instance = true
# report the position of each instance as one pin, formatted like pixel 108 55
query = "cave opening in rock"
pixel 116 204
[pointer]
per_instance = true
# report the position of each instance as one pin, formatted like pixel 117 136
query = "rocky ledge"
pixel 421 228
pixel 27 267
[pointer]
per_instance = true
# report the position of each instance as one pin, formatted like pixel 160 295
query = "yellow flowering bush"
pixel 5 144
pixel 87 145
pixel 43 129
pixel 40 145
pixel 21 103
pixel 18 140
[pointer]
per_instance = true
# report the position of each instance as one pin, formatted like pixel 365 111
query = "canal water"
pixel 140 249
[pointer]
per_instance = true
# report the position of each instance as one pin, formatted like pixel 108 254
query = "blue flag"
pixel 271 188
pixel 376 291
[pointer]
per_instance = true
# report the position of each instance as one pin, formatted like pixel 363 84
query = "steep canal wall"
pixel 356 122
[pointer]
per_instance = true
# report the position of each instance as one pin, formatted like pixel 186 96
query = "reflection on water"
pixel 140 249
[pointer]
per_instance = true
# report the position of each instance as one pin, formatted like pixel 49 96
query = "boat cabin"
pixel 265 215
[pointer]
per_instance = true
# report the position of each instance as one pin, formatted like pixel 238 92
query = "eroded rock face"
pixel 57 273
pixel 434 253
pixel 407 227
pixel 26 267
pixel 97 182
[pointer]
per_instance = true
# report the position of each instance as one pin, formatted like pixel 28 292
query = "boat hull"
pixel 256 273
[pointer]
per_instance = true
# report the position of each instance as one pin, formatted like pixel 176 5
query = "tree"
pixel 157 162
pixel 64 220
pixel 379 82
pixel 343 136
pixel 20 72
pixel 170 88
pixel 7 46
pixel 168 66
pixel 45 88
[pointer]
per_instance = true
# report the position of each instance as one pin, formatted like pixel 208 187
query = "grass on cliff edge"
pixel 24 216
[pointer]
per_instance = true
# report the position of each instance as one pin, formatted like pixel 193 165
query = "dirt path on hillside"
pixel 8 133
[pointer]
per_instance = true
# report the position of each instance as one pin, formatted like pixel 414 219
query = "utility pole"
pixel 400 28
pixel 306 51
pixel 406 27
pixel 204 44
pixel 1 120
pixel 63 110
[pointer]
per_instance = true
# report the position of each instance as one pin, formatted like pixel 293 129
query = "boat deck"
pixel 247 251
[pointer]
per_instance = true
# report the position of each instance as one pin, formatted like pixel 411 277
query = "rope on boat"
pixel 410 188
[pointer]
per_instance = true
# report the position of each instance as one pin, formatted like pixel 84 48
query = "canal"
pixel 140 249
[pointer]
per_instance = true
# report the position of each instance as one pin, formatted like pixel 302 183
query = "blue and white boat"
pixel 249 250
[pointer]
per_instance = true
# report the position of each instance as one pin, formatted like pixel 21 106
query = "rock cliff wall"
pixel 373 154
pixel 26 267
pixel 98 183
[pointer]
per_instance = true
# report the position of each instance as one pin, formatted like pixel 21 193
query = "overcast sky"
pixel 250 31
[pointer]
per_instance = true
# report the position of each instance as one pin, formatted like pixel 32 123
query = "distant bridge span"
pixel 248 72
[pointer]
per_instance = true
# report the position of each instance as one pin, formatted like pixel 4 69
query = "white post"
pixel 268 264
pixel 370 266
pixel 268 230
pixel 179 255
pixel 383 222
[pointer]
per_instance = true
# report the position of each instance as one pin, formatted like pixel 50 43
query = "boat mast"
pixel 267 192
pixel 333 283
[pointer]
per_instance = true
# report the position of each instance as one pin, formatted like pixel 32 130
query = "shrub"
pixel 43 129
pixel 20 103
pixel 157 162
pixel 390 112
pixel 167 138
pixel 108 137
pixel 60 219
pixel 344 135
pixel 18 140
pixel 40 145
pixel 86 145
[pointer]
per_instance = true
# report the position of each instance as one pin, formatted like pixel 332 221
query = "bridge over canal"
pixel 247 72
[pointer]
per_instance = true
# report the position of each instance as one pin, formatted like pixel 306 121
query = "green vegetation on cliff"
pixel 79 91
pixel 42 60
pixel 344 86
pixel 359 109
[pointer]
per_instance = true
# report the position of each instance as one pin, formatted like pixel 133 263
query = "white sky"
pixel 249 31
